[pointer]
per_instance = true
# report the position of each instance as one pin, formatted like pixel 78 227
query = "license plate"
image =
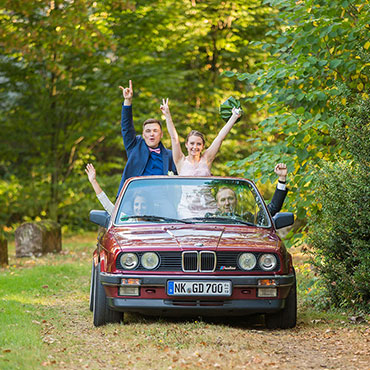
pixel 204 288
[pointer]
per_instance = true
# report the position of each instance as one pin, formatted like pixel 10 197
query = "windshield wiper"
pixel 218 219
pixel 155 218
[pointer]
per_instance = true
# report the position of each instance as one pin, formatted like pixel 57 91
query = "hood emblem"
pixel 227 268
pixel 198 245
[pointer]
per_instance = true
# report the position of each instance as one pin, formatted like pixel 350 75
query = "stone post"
pixel 38 238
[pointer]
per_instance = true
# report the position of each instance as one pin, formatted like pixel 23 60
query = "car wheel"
pixel 287 317
pixel 101 312
pixel 92 287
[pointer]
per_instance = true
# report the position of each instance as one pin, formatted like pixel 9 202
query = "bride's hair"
pixel 196 133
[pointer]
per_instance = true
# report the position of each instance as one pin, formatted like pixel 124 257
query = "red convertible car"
pixel 190 246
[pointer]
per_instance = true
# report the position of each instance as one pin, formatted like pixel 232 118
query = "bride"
pixel 194 203
pixel 195 163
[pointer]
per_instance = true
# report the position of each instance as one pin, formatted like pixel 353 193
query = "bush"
pixel 340 233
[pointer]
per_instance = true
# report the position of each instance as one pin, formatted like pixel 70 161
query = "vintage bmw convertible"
pixel 190 246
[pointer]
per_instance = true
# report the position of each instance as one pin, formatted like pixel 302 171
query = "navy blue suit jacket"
pixel 277 201
pixel 137 151
pixel 274 206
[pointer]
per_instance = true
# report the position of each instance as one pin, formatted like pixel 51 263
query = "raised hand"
pixel 127 92
pixel 281 170
pixel 91 173
pixel 237 112
pixel 165 108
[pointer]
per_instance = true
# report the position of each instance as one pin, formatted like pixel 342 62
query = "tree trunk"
pixel 38 238
pixel 3 252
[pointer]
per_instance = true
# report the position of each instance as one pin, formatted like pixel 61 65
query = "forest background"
pixel 300 69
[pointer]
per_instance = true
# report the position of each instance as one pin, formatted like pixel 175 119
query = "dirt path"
pixel 142 343
pixel 320 340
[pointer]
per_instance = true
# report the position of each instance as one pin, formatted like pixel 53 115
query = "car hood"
pixel 194 236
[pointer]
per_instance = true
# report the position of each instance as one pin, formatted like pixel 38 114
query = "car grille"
pixel 190 261
pixel 197 261
pixel 203 261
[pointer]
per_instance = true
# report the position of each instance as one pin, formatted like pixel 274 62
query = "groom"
pixel 146 155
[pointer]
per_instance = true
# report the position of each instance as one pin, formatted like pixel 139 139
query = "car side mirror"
pixel 283 219
pixel 101 218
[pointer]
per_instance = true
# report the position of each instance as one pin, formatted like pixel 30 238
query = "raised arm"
pixel 210 154
pixel 103 199
pixel 281 190
pixel 127 126
pixel 91 174
pixel 177 154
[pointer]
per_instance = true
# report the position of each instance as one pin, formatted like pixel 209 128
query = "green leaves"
pixel 228 73
pixel 56 97
pixel 317 50
pixel 227 106
pixel 60 98
pixel 335 63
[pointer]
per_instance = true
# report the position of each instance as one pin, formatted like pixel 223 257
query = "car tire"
pixel 102 314
pixel 92 286
pixel 287 317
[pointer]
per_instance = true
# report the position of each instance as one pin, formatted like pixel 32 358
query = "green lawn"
pixel 30 290
pixel 45 322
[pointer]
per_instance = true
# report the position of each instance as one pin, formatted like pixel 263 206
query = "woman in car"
pixel 197 162
pixel 139 203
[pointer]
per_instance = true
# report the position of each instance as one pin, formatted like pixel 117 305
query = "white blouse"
pixel 105 202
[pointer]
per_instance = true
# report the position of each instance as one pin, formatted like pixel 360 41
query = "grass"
pixel 28 287
pixel 16 320
pixel 45 322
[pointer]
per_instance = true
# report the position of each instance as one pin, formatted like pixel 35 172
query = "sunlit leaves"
pixel 53 92
pixel 64 61
pixel 319 47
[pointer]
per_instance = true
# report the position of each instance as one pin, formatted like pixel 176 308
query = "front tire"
pixel 101 311
pixel 287 317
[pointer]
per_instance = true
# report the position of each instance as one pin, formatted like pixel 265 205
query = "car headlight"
pixel 150 260
pixel 129 261
pixel 247 261
pixel 267 262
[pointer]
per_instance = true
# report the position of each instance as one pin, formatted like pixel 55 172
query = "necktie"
pixel 156 150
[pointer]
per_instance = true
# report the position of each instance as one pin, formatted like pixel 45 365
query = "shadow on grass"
pixel 252 322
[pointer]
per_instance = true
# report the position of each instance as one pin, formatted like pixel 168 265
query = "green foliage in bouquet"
pixel 227 106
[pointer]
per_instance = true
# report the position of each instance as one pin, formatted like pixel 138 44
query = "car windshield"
pixel 192 200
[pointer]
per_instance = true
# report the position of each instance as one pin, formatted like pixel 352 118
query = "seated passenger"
pixel 139 203
pixel 227 200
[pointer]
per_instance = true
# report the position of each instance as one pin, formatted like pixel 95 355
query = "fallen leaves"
pixel 65 324
pixel 48 339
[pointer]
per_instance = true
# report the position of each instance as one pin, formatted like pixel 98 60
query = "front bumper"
pixel 161 280
pixel 168 307
pixel 234 305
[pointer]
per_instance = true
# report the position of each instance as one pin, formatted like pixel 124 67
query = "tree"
pixel 52 82
pixel 319 47
pixel 62 64
pixel 340 233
